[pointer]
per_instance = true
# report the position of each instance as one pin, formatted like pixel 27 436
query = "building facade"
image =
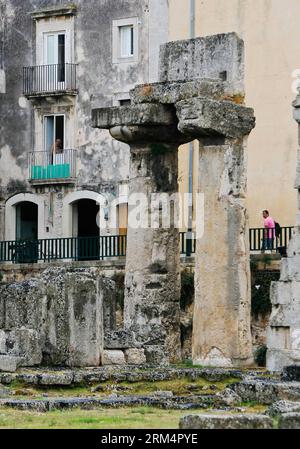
pixel 272 46
pixel 58 61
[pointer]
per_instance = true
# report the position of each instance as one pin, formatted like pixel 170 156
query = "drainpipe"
pixel 189 241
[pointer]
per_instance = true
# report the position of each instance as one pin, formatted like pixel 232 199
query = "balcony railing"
pixel 44 165
pixel 258 239
pixel 49 79
pixel 72 248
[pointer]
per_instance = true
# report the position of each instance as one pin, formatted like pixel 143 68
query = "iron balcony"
pixel 54 79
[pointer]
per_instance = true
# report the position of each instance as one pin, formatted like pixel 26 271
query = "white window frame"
pixel 117 57
pixel 54 26
pixel 45 50
pixel 44 130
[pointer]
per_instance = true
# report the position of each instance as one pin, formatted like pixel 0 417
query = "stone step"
pixel 114 400
pixel 267 391
pixel 218 421
pixel 289 421
pixel 281 407
pixel 132 374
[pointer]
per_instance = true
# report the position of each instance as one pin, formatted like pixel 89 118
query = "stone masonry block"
pixel 201 117
pixel 111 357
pixel 220 56
pixel 237 421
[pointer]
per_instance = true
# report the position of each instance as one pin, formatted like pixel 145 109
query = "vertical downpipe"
pixel 189 241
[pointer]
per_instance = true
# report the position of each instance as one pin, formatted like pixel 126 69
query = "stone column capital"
pixel 204 117
pixel 140 123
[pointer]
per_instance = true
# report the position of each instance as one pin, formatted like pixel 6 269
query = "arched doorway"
pixel 25 249
pixel 32 211
pixel 86 229
pixel 26 221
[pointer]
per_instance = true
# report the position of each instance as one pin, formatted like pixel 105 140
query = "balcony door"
pixel 54 138
pixel 54 129
pixel 55 60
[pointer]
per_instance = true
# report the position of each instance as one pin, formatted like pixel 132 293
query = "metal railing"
pixel 45 165
pixel 103 247
pixel 53 78
pixel 259 241
pixel 187 243
pixel 72 248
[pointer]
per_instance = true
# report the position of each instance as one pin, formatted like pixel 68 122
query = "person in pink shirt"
pixel 269 232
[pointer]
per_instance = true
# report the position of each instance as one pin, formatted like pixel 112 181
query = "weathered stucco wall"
pixel 270 30
pixel 102 163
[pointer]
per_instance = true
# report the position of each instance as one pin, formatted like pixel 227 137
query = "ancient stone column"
pixel 283 337
pixel 152 281
pixel 221 323
pixel 202 79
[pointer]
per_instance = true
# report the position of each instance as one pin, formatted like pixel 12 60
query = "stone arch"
pixel 70 199
pixel 10 214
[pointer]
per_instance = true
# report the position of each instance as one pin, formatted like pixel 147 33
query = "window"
pixel 125 102
pixel 125 40
pixel 55 54
pixel 54 132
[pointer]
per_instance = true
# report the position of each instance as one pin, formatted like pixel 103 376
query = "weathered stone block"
pixel 281 407
pixel 55 319
pixel 267 392
pixel 202 117
pixel 25 343
pixel 9 363
pixel 228 397
pixel 280 292
pixel 220 56
pixel 155 355
pixel 58 379
pixel 289 421
pixel 236 421
pixel 135 356
pixel 113 357
pixel 141 114
pixel 122 339
pixel 170 93
pixel 291 373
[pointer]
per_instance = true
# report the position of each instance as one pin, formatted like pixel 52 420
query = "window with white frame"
pixel 125 40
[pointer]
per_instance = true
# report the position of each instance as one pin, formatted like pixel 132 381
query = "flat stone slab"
pixel 289 421
pixel 170 93
pixel 218 421
pixel 281 407
pixel 267 391
pixel 201 117
pixel 115 373
pixel 135 115
pixel 114 400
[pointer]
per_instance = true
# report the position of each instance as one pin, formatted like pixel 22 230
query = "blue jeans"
pixel 267 244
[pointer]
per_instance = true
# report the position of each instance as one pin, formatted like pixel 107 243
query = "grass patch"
pixel 181 387
pixel 123 418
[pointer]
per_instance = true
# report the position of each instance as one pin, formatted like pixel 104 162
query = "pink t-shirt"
pixel 269 223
